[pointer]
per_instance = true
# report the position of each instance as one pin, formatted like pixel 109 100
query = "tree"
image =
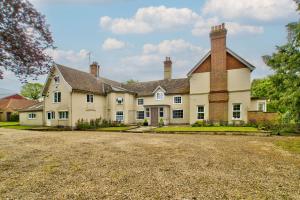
pixel 285 63
pixel 131 81
pixel 24 37
pixel 32 90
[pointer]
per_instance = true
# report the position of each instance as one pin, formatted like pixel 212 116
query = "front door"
pixel 154 116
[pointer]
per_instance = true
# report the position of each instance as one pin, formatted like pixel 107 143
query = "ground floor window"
pixel 31 116
pixel 147 112
pixel 262 106
pixel 177 114
pixel 140 115
pixel 200 112
pixel 161 112
pixel 119 116
pixel 50 115
pixel 236 111
pixel 63 115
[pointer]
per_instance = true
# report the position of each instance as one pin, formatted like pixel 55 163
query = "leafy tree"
pixel 285 62
pixel 32 90
pixel 24 37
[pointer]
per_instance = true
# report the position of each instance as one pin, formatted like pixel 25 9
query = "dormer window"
pixel 159 96
pixel 56 79
pixel 89 98
pixel 120 100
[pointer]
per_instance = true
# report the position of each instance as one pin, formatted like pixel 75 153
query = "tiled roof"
pixel 36 107
pixel 15 104
pixel 172 86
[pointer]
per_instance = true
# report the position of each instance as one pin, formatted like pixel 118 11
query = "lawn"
pixel 121 128
pixel 15 125
pixel 290 145
pixel 89 165
pixel 205 129
pixel 2 124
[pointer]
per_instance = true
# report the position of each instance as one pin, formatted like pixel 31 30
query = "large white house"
pixel 217 88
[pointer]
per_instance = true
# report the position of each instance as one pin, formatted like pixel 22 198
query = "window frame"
pixel 65 117
pixel 138 103
pixel 161 112
pixel 162 96
pixel 56 97
pixel 138 116
pixel 177 117
pixel 117 101
pixel 90 98
pixel 30 116
pixel 198 112
pixel 264 106
pixel 147 113
pixel 52 115
pixel 240 111
pixel 119 116
pixel 174 97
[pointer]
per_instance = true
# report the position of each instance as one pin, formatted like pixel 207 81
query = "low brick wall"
pixel 259 116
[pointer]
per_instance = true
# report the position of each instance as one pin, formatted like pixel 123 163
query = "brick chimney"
pixel 218 97
pixel 95 69
pixel 168 68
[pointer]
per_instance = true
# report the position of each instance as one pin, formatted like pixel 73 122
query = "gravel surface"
pixel 98 165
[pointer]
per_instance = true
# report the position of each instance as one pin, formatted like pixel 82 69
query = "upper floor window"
pixel 236 111
pixel 63 115
pixel 200 112
pixel 140 101
pixel 177 100
pixel 140 115
pixel 89 98
pixel 262 106
pixel 119 116
pixel 31 116
pixel 56 79
pixel 159 96
pixel 57 97
pixel 161 112
pixel 177 114
pixel 120 100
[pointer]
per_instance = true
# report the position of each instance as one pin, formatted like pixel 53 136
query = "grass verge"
pixel 289 145
pixel 125 128
pixel 3 124
pixel 205 129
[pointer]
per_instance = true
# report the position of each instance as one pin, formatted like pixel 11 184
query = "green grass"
pixel 3 124
pixel 18 127
pixel 114 128
pixel 205 129
pixel 289 145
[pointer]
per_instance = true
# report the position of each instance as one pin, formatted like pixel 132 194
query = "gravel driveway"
pixel 97 165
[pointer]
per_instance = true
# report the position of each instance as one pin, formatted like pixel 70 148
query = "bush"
pixel 82 124
pixel 161 122
pixel 14 117
pixel 145 122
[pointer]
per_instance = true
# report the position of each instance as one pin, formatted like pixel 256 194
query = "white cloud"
pixel 112 43
pixel 255 9
pixel 39 2
pixel 150 19
pixel 168 47
pixel 68 56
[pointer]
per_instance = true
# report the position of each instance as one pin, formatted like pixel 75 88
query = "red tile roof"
pixel 15 104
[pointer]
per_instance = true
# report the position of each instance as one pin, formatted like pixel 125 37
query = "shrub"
pixel 82 124
pixel 161 122
pixel 145 122
pixel 14 117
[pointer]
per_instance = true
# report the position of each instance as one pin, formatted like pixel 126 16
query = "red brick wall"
pixel 259 116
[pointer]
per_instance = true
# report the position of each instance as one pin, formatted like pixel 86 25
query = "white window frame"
pixel 65 116
pixel 90 98
pixel 56 79
pixel 138 103
pixel 52 115
pixel 32 116
pixel 200 112
pixel 177 117
pixel 116 117
pixel 161 112
pixel 233 118
pixel 137 114
pixel 120 98
pixel 264 107
pixel 174 102
pixel 157 96
pixel 55 100
pixel 147 113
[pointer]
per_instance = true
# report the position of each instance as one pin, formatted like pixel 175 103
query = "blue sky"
pixel 130 38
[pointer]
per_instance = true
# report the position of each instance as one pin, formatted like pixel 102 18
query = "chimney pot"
pixel 95 69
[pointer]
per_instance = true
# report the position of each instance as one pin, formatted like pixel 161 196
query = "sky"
pixel 131 38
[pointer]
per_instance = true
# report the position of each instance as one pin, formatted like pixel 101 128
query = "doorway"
pixel 154 116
